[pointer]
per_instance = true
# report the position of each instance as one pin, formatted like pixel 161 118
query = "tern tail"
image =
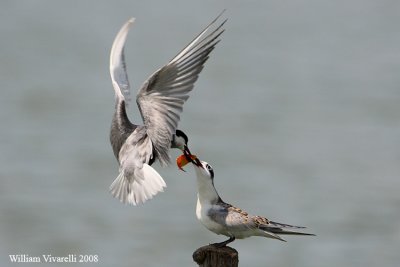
pixel 137 190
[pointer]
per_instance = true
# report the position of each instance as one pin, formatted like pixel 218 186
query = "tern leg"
pixel 224 243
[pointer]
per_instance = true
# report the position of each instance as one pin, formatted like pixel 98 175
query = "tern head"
pixel 207 194
pixel 201 167
pixel 179 140
pixel 204 169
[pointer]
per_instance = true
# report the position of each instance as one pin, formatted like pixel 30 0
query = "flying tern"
pixel 160 101
pixel 223 218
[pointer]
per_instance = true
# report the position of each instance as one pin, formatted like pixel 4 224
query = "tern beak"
pixel 186 150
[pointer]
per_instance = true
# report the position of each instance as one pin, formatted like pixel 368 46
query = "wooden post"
pixel 212 256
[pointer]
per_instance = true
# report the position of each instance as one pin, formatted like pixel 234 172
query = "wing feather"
pixel 119 76
pixel 232 217
pixel 162 96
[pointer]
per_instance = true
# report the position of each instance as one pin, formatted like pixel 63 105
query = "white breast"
pixel 202 215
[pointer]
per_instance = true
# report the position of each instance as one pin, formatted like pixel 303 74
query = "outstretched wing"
pixel 162 96
pixel 119 76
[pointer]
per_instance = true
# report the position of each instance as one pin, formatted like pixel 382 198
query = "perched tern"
pixel 223 218
pixel 160 101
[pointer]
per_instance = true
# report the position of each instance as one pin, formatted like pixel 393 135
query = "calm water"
pixel 298 111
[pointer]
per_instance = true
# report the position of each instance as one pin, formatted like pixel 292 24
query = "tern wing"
pixel 284 229
pixel 273 229
pixel 232 217
pixel 119 76
pixel 137 180
pixel 162 96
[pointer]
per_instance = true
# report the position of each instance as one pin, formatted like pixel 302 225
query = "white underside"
pixel 202 216
pixel 139 188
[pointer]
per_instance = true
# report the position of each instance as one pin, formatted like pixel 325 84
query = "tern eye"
pixel 210 170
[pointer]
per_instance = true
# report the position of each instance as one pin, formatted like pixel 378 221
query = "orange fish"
pixel 182 160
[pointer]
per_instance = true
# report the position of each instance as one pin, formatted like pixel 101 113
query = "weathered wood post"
pixel 212 256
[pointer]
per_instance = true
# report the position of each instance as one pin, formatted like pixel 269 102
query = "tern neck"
pixel 121 127
pixel 207 194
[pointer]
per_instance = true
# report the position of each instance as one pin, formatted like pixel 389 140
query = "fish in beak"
pixel 185 158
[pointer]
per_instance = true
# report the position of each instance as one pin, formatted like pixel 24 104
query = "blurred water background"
pixel 298 111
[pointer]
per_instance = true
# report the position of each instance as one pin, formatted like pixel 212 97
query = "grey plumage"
pixel 160 101
pixel 121 128
pixel 162 96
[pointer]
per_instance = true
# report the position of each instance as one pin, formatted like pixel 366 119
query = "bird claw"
pixel 224 243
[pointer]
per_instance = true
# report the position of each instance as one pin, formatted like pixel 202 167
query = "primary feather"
pixel 162 96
